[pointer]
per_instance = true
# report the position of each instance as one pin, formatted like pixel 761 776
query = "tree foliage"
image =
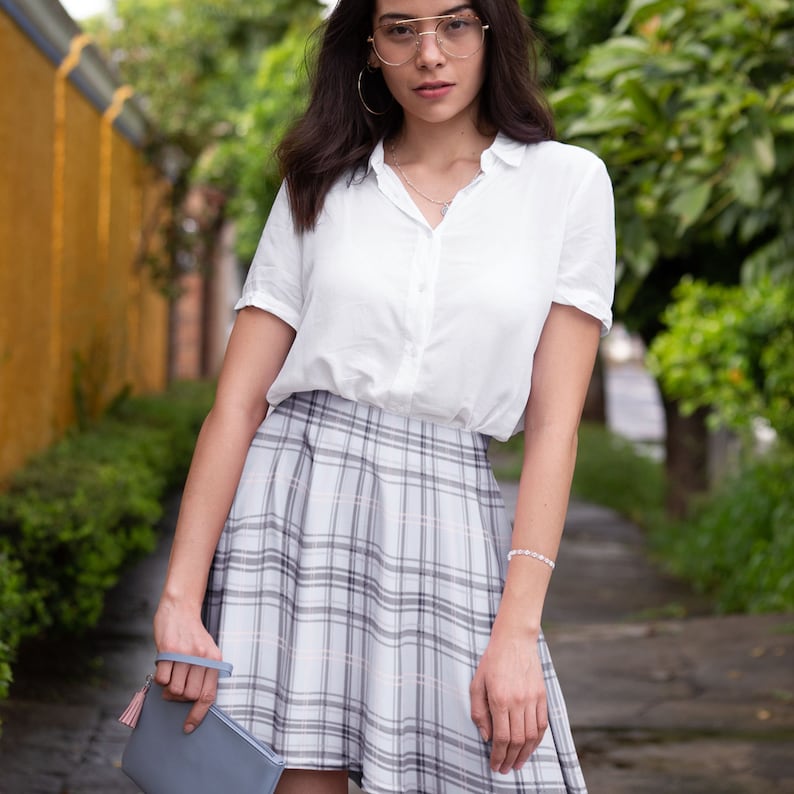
pixel 731 349
pixel 280 94
pixel 567 28
pixel 691 104
pixel 194 65
pixel 573 26
pixel 195 68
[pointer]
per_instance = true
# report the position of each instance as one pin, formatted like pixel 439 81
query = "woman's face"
pixel 432 85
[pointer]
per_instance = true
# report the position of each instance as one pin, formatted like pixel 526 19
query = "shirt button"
pixel 421 287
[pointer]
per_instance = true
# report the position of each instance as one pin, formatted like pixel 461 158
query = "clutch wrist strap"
pixel 224 668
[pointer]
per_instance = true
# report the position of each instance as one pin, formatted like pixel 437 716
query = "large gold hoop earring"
pixel 370 70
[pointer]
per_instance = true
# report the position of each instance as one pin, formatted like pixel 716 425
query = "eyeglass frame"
pixel 418 34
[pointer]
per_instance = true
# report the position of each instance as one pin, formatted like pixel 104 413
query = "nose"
pixel 428 53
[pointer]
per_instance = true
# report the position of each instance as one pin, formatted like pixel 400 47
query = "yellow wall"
pixel 74 196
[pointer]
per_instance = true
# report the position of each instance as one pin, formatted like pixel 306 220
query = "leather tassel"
pixel 133 711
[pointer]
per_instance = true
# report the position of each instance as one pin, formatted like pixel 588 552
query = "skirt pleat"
pixel 354 588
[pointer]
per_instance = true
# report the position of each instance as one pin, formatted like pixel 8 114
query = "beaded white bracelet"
pixel 534 554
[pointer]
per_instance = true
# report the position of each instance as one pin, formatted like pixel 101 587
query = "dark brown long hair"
pixel 336 135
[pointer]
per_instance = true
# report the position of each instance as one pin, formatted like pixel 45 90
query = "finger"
pixel 530 726
pixel 542 720
pixel 501 736
pixel 480 714
pixel 536 722
pixel 162 673
pixel 194 683
pixel 176 685
pixel 516 742
pixel 206 698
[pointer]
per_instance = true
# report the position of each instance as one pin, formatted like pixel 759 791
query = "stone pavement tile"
pixel 100 767
pixel 37 782
pixel 604 574
pixel 52 733
pixel 729 674
pixel 66 741
pixel 647 764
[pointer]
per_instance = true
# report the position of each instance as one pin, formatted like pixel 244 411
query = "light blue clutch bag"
pixel 218 756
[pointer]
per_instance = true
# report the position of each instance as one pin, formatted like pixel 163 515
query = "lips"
pixel 433 90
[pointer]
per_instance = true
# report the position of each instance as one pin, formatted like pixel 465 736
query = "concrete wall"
pixel 79 219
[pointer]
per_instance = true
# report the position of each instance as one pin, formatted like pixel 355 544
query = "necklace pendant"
pixel 445 208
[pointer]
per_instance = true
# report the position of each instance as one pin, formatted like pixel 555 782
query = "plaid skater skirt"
pixel 354 588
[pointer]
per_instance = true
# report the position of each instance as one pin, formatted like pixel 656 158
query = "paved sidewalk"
pixel 692 704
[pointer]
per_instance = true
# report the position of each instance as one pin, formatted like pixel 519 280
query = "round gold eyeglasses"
pixel 457 35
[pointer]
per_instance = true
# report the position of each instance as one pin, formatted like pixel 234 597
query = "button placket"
pixel 416 321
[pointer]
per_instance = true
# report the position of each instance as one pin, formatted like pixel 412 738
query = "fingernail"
pixel 483 734
pixel 190 728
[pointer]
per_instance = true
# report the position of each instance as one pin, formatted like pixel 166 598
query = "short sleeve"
pixel 586 275
pixel 274 280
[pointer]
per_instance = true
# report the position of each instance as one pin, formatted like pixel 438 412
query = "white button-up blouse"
pixel 440 324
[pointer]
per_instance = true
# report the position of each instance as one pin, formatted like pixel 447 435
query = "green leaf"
pixel 640 10
pixel 690 204
pixel 647 109
pixel 764 151
pixel 745 182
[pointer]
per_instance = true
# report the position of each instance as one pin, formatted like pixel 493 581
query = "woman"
pixel 435 271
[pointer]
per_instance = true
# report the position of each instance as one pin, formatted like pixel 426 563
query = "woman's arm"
pixel 508 692
pixel 257 348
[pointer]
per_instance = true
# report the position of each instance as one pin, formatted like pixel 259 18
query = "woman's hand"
pixel 508 698
pixel 179 630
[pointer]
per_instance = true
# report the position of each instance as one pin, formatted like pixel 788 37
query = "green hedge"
pixel 76 514
pixel 738 545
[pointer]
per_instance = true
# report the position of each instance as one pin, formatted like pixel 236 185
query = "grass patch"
pixel 609 472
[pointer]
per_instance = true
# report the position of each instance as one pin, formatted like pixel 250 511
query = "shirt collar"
pixel 507 150
pixel 376 159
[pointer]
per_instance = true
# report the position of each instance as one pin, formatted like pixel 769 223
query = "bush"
pixel 16 607
pixel 76 514
pixel 738 547
pixel 731 350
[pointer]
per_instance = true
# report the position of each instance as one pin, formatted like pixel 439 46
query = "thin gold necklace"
pixel 443 204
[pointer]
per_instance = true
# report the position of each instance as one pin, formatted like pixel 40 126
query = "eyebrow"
pixel 455 10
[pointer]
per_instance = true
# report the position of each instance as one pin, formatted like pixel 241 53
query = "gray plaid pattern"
pixel 354 588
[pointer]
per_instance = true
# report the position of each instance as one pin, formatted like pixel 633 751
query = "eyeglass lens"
pixel 398 42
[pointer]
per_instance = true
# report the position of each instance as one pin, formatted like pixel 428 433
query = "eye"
pixel 459 25
pixel 399 31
